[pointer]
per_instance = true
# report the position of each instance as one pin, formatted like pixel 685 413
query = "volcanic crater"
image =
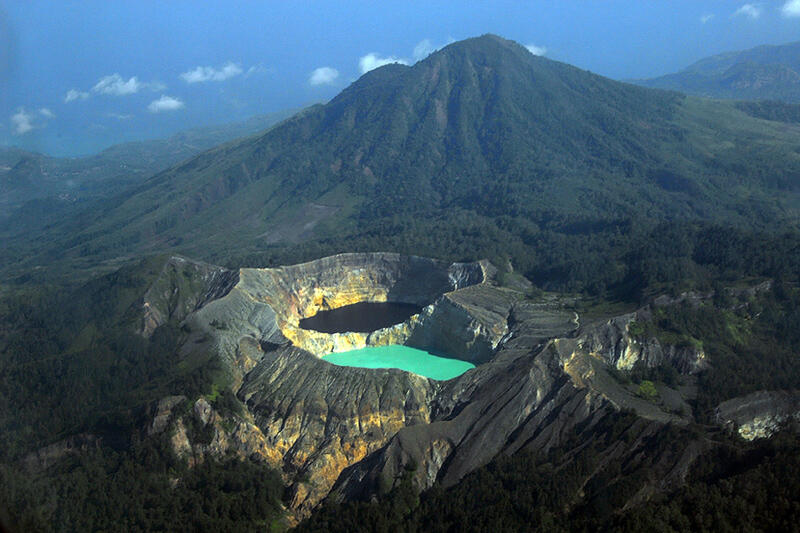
pixel 352 301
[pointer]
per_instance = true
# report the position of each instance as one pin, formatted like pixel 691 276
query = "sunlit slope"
pixel 482 127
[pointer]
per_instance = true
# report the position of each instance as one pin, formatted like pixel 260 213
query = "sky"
pixel 76 77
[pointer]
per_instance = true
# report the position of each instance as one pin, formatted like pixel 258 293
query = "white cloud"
pixel 791 8
pixel 255 69
pixel 155 86
pixel 22 121
pixel 749 10
pixel 423 49
pixel 373 61
pixel 536 50
pixel 116 85
pixel 165 103
pixel 707 17
pixel 200 74
pixel 75 94
pixel 323 76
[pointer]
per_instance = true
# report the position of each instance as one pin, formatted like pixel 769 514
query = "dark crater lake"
pixel 362 317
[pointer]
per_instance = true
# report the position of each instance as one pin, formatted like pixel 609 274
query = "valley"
pixel 36 189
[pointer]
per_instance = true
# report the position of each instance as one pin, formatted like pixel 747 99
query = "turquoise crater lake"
pixel 402 357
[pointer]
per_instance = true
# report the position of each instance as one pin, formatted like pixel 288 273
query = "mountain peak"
pixel 487 39
pixel 487 45
pixel 481 126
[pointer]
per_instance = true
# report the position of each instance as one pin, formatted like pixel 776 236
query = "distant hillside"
pixel 53 182
pixel 481 150
pixel 761 73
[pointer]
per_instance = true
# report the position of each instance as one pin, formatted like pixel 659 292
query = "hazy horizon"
pixel 80 77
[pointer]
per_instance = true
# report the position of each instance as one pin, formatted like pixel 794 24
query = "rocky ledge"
pixel 760 414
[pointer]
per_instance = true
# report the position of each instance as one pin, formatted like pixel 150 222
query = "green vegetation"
pixel 585 185
pixel 761 73
pixel 625 262
pixel 647 390
pixel 772 110
pixel 112 375
pixel 750 345
pixel 663 373
pixel 73 362
pixel 637 330
pixel 732 487
pixel 141 489
pixel 735 487
pixel 529 159
pixel 37 190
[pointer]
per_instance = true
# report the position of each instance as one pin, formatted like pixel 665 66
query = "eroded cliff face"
pixel 613 342
pixel 301 291
pixel 264 306
pixel 196 430
pixel 321 418
pixel 547 378
pixel 470 322
pixel 349 432
pixel 304 416
pixel 184 286
pixel 760 414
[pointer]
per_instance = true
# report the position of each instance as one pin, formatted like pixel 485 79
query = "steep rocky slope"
pixel 760 414
pixel 352 431
pixel 226 370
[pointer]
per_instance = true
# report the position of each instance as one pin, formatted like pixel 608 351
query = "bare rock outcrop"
pixel 531 395
pixel 760 414
pixel 182 287
pixel 349 432
pixel 318 418
pixel 264 306
pixel 308 418
pixel 197 431
pixel 613 342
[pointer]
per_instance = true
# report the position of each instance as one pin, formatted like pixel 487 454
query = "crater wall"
pixel 316 419
pixel 344 432
pixel 266 305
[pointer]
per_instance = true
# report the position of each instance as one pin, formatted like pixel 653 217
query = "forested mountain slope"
pixel 481 130
pixel 766 72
